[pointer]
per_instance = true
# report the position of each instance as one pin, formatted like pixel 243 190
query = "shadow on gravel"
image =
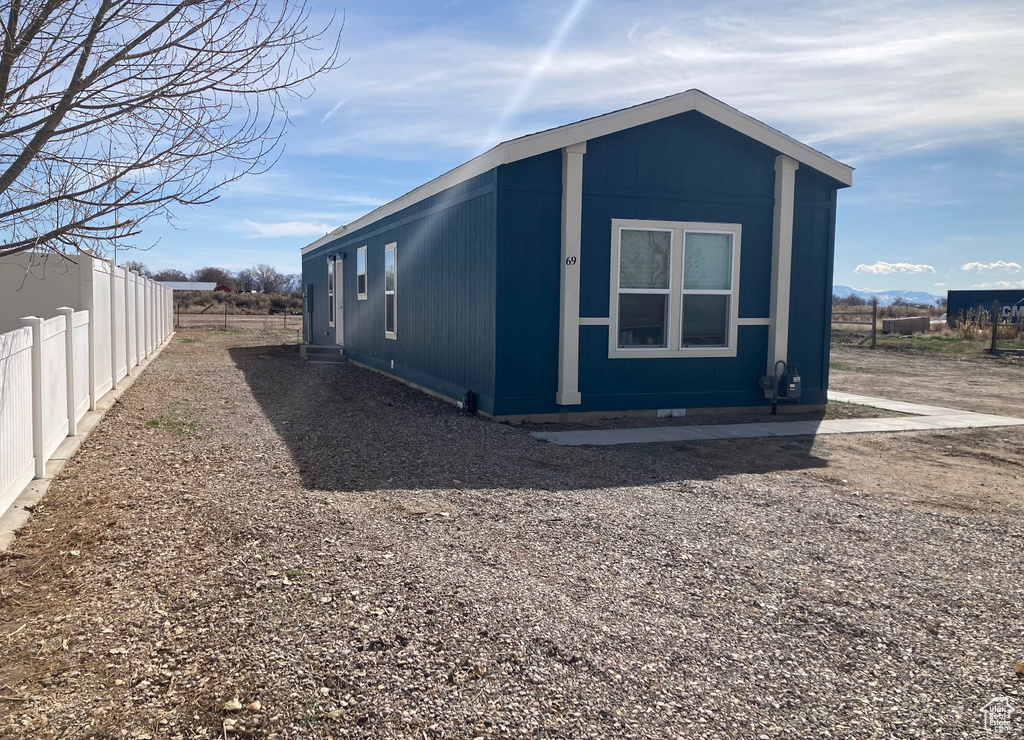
pixel 349 428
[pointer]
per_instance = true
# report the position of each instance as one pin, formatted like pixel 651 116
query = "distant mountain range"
pixel 886 298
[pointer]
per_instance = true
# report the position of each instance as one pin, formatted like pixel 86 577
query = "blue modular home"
pixel 658 258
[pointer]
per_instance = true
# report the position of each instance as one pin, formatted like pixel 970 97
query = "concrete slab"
pixel 925 418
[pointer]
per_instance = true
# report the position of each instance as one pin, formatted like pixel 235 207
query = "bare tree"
pixel 268 279
pixel 137 267
pixel 115 111
pixel 245 280
pixel 171 275
pixel 214 275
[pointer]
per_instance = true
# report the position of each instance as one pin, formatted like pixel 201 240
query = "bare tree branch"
pixel 116 111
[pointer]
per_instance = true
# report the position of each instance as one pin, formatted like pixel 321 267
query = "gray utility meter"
pixel 790 385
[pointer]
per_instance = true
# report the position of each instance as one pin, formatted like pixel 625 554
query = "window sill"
pixel 643 354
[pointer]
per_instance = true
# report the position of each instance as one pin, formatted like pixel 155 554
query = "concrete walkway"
pixel 925 418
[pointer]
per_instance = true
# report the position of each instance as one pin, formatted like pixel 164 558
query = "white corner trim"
pixel 569 297
pixel 782 260
pixel 753 322
pixel 591 128
pixel 595 321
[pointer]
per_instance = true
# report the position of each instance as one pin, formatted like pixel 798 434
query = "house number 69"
pixel 570 261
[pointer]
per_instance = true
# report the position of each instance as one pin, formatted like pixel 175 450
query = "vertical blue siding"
pixel 529 258
pixel 810 307
pixel 445 299
pixel 685 168
pixel 314 272
pixel 479 270
pixel 959 302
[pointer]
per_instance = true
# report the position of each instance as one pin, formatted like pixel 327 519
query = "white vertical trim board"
pixel 568 393
pixel 782 261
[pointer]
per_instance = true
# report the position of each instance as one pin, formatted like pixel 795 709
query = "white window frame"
pixel 393 248
pixel 331 275
pixel 674 328
pixel 361 254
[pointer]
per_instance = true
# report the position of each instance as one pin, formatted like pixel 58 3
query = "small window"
pixel 674 289
pixel 390 292
pixel 361 274
pixel 330 289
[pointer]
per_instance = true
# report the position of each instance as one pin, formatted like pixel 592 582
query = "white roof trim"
pixel 592 128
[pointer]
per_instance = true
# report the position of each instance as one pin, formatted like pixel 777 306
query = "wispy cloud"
pixel 887 268
pixel 260 230
pixel 332 111
pixel 885 77
pixel 1000 265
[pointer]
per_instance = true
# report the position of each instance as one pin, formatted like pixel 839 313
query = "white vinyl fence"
pixel 54 370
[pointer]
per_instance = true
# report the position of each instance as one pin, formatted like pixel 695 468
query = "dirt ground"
pixel 962 471
pixel 250 546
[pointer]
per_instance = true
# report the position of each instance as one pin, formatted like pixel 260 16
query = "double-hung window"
pixel 674 289
pixel 361 274
pixel 390 292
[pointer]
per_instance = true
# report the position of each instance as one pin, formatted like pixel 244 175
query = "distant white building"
pixel 177 285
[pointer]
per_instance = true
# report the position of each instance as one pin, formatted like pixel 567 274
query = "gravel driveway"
pixel 253 546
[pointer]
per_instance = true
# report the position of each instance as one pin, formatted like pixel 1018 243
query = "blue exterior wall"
pixel 684 168
pixel 445 298
pixel 479 275
pixel 810 298
pixel 959 302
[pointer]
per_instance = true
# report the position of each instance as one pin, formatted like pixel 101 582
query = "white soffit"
pixel 592 128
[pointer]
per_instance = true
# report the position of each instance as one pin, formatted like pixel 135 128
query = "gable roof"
pixel 592 128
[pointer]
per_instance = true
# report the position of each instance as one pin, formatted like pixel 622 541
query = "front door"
pixel 339 297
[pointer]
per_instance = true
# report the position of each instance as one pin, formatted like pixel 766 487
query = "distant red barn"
pixel 222 289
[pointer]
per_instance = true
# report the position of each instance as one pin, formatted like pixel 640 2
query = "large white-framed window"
pixel 674 289
pixel 390 291
pixel 330 289
pixel 361 274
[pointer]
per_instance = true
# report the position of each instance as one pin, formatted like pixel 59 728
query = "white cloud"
pixel 939 285
pixel 887 268
pixel 1000 265
pixel 880 78
pixel 260 230
pixel 1001 285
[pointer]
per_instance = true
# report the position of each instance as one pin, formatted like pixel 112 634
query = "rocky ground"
pixel 252 546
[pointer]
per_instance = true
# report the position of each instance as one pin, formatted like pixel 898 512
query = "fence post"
pixel 874 320
pixel 36 324
pixel 994 349
pixel 92 358
pixel 69 351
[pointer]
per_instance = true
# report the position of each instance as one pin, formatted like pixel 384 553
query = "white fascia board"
pixel 734 119
pixel 603 125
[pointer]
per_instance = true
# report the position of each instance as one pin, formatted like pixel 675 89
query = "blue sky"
pixel 924 99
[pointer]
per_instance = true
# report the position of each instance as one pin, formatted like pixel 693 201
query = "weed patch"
pixel 178 427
